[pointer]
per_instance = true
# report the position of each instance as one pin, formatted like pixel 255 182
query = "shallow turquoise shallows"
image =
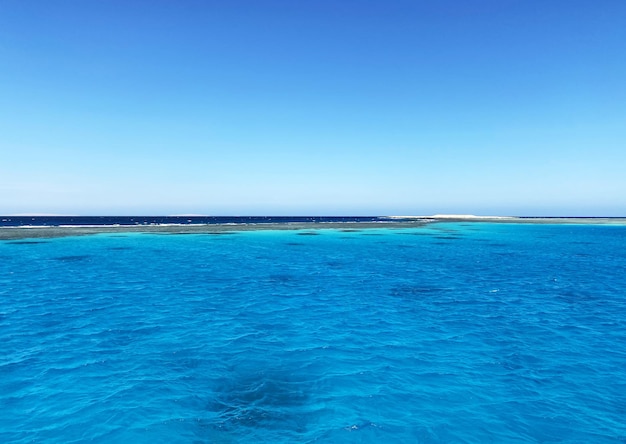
pixel 448 333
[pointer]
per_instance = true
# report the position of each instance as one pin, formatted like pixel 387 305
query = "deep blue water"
pixel 447 333
pixel 19 221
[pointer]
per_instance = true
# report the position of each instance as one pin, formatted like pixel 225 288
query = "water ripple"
pixel 504 333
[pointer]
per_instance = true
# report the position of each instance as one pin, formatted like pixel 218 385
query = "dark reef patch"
pixel 416 292
pixel 308 233
pixel 335 264
pixel 27 242
pixel 506 253
pixel 281 278
pixel 260 400
pixel 76 258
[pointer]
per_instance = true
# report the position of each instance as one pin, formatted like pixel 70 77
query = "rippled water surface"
pixel 448 333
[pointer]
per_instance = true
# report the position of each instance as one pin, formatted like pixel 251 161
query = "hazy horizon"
pixel 430 215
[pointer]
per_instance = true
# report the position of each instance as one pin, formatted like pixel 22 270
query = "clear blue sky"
pixel 313 107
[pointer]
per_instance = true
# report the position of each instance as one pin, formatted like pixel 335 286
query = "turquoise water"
pixel 451 333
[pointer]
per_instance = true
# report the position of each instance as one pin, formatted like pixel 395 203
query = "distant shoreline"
pixel 391 222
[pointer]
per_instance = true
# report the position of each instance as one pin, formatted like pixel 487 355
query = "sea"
pixel 443 332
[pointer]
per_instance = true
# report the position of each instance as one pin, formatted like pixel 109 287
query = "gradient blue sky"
pixel 313 107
